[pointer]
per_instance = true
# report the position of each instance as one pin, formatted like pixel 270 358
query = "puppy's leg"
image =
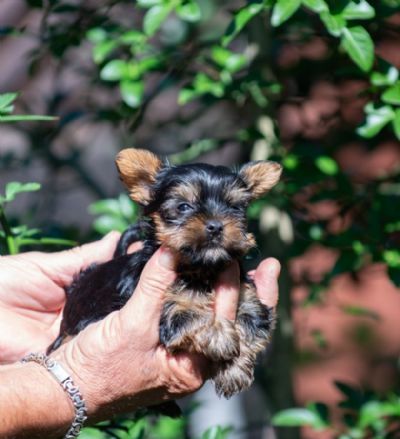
pixel 254 324
pixel 188 323
pixel 133 233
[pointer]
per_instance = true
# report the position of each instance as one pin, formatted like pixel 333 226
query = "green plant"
pixel 214 55
pixel 14 238
pixel 365 414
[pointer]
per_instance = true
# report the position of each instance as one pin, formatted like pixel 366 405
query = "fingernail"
pixel 274 268
pixel 166 259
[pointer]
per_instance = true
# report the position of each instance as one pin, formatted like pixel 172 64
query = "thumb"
pixel 62 266
pixel 99 251
pixel 158 274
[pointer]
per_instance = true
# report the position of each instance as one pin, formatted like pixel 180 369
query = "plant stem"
pixel 12 246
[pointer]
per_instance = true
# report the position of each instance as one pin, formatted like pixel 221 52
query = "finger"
pixel 136 246
pixel 227 292
pixel 266 280
pixel 158 274
pixel 62 266
pixel 98 251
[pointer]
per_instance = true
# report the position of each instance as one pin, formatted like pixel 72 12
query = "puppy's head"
pixel 199 210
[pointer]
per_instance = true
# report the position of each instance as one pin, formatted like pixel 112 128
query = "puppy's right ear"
pixel 138 169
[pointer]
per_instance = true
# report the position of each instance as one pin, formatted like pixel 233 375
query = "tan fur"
pixel 261 176
pixel 188 192
pixel 235 238
pixel 193 234
pixel 237 195
pixel 217 339
pixel 238 374
pixel 138 169
pixel 176 238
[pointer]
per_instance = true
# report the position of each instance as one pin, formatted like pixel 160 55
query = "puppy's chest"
pixel 188 293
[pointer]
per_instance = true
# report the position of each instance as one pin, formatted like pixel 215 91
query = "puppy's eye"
pixel 184 207
pixel 237 208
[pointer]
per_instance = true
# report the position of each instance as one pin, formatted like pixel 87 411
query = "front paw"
pixel 176 331
pixel 233 377
pixel 220 341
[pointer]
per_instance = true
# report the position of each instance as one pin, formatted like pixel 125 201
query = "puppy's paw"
pixel 232 378
pixel 176 331
pixel 218 342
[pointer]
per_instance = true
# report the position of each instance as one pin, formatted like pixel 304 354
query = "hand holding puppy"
pixel 117 362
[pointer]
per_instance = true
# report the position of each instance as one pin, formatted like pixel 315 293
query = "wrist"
pixel 43 411
pixel 112 375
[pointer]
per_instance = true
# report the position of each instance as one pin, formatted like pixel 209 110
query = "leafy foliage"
pixel 365 415
pixel 13 238
pixel 176 45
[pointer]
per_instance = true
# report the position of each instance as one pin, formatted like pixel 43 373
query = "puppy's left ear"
pixel 260 176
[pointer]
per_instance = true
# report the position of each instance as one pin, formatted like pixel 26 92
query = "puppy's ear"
pixel 260 176
pixel 138 169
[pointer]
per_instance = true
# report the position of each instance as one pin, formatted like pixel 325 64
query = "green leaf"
pixel 186 95
pixel 154 18
pixel 96 35
pixel 357 42
pixel 106 223
pixel 359 311
pixel 26 118
pixel 168 428
pixel 128 208
pixel 189 12
pixel 360 10
pixel 132 93
pixel 102 50
pixel 91 433
pixel 376 119
pixel 114 70
pixel 229 60
pixel 7 110
pixel 13 188
pixel 387 78
pixel 107 206
pixel 327 165
pixel 46 241
pixel 375 410
pixel 240 19
pixel 149 3
pixel 133 37
pixel 5 100
pixel 216 432
pixel 392 94
pixel 333 23
pixel 290 162
pixel 392 258
pixel 316 5
pixel 298 417
pixel 396 123
pixel 24 232
pixel 283 10
pixel 392 227
pixel 316 232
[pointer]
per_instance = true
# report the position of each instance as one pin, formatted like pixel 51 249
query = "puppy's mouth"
pixel 210 252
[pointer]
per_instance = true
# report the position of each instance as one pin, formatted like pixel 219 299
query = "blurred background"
pixel 313 84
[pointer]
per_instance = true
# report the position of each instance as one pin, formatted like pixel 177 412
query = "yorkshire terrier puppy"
pixel 199 212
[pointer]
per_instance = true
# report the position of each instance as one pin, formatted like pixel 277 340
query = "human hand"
pixel 32 294
pixel 118 362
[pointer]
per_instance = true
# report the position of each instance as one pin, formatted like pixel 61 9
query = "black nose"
pixel 214 227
